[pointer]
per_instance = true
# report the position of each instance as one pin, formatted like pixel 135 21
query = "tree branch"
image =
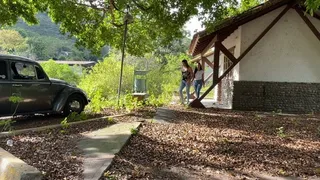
pixel 140 6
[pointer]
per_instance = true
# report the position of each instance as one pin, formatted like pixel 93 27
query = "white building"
pixel 274 59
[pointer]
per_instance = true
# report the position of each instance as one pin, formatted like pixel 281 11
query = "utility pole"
pixel 127 19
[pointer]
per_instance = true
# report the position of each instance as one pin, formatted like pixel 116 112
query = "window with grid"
pixel 227 62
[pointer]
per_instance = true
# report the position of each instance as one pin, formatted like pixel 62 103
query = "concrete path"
pixel 99 147
pixel 164 115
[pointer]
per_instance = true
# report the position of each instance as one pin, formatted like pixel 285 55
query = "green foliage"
pixel 45 41
pixel 101 83
pixel 61 71
pixel 134 131
pixel 15 99
pixel 11 41
pixel 130 103
pixel 110 120
pixel 281 133
pixel 312 5
pixel 156 22
pixel 11 10
pixel 109 176
pixel 164 80
pixel 76 117
pixel 6 125
pixel 65 125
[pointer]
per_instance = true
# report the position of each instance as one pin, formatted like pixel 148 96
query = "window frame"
pixel 8 78
pixel 24 80
pixel 46 78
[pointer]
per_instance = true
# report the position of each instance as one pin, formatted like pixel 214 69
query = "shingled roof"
pixel 201 39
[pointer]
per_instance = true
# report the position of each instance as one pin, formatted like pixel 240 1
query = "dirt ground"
pixel 54 151
pixel 222 144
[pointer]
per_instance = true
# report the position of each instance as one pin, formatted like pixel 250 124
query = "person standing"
pixel 198 79
pixel 187 76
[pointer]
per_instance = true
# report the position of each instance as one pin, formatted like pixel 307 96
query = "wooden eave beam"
pixel 209 46
pixel 197 58
pixel 316 16
pixel 194 45
pixel 206 60
pixel 226 52
pixel 308 22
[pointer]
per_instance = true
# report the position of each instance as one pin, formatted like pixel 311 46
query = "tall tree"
pixel 96 23
pixel 11 41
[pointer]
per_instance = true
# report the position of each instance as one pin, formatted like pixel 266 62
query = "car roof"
pixel 19 58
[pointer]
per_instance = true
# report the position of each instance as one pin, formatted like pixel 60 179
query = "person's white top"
pixel 198 75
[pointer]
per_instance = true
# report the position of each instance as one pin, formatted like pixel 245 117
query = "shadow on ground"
pixel 222 144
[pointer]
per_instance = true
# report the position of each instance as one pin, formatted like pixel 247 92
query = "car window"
pixel 40 74
pixel 3 70
pixel 23 71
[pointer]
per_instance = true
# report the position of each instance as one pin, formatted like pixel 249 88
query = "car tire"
pixel 75 103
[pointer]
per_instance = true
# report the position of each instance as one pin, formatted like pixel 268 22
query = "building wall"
pixel 286 97
pixel 289 52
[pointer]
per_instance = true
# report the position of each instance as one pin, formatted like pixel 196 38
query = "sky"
pixel 194 25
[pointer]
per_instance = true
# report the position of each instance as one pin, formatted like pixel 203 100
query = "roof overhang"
pixel 201 40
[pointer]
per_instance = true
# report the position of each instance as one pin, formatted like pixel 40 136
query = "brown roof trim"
pixel 232 23
pixel 193 43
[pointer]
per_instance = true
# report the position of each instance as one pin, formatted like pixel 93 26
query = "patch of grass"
pixel 65 125
pixel 111 120
pixel 77 117
pixel 134 131
pixel 6 125
pixel 281 133
pixel 282 172
pixel 108 176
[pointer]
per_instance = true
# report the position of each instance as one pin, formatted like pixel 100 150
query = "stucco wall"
pixel 289 52
pixel 315 22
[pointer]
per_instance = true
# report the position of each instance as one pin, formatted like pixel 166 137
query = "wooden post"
pixel 203 64
pixel 216 62
pixel 215 71
pixel 308 22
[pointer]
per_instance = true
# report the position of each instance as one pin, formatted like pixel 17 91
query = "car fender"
pixel 63 96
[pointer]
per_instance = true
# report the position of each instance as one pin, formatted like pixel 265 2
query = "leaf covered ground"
pixel 222 144
pixel 54 151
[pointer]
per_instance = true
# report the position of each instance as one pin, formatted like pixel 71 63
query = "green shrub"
pixel 61 71
pixel 102 82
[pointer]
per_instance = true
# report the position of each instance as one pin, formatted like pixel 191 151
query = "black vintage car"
pixel 26 89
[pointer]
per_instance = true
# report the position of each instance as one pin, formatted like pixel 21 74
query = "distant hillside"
pixel 46 42
pixel 45 27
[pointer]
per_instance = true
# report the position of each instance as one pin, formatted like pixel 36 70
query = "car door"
pixel 32 91
pixel 5 89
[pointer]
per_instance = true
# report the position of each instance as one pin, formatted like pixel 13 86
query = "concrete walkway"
pixel 164 115
pixel 99 147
